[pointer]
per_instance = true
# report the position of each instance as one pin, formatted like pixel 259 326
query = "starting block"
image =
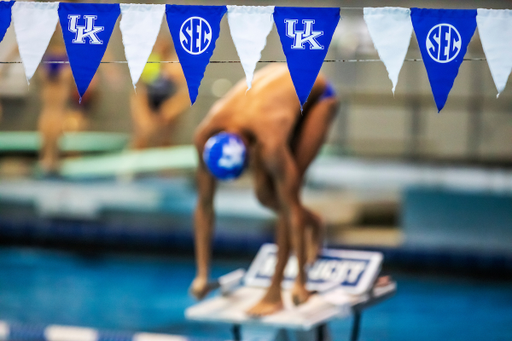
pixel 344 282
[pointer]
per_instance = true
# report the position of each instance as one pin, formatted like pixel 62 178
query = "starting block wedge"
pixel 344 281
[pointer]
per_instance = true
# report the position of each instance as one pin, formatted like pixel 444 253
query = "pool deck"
pixel 158 210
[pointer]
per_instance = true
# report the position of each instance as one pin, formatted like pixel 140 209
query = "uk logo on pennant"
pixel 301 37
pixel 194 30
pixel 305 35
pixel 443 37
pixel 86 29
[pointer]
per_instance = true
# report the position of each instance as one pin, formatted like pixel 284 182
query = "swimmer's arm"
pixel 204 219
pixel 180 101
pixel 177 104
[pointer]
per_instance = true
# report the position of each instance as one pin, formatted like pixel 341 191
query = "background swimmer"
pixel 161 96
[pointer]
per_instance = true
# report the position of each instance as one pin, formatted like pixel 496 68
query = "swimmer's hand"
pixel 200 287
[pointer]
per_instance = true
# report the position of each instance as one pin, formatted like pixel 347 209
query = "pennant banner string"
pixel 261 61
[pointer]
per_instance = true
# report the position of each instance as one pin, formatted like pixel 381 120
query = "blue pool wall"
pixel 459 220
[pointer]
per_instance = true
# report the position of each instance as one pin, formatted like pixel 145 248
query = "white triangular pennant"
pixel 140 25
pixel 249 27
pixel 495 29
pixel 390 29
pixel 34 25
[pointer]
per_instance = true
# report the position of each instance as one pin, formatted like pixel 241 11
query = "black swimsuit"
pixel 160 90
pixel 54 68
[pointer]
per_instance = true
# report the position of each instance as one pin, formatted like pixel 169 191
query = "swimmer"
pixel 162 95
pixel 264 129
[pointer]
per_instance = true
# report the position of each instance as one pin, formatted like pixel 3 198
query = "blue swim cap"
pixel 225 156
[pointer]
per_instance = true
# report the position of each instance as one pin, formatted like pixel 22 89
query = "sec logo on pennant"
pixel 195 35
pixel 443 43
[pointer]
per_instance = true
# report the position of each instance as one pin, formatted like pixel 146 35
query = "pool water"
pixel 121 292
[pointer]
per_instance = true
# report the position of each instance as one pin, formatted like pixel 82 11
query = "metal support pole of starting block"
pixel 237 336
pixel 321 332
pixel 356 326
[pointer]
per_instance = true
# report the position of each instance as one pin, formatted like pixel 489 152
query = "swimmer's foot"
pixel 299 294
pixel 382 281
pixel 45 170
pixel 265 307
pixel 46 175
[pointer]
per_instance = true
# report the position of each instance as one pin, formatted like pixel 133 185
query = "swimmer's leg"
pixel 50 127
pixel 272 300
pixel 288 181
pixel 313 132
pixel 266 194
pixel 311 137
pixel 315 230
pixel 264 186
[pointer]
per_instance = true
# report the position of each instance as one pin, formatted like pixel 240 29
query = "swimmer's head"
pixel 225 155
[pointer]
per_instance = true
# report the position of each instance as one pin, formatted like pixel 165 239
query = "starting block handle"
pixel 228 282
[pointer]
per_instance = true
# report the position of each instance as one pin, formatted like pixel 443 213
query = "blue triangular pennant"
pixel 443 36
pixel 194 30
pixel 5 17
pixel 86 29
pixel 305 35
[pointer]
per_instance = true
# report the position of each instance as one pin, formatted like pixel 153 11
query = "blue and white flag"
pixel 443 36
pixel 86 29
pixel 194 31
pixel 249 27
pixel 34 24
pixel 305 35
pixel 495 28
pixel 390 29
pixel 5 17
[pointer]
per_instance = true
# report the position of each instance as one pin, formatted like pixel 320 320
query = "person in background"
pixel 161 96
pixel 60 110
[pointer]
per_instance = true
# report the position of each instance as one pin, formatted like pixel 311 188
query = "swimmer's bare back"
pixel 271 104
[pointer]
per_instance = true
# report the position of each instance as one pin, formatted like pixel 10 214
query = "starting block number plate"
pixel 352 271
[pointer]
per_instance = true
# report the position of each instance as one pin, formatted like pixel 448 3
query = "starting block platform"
pixel 345 283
